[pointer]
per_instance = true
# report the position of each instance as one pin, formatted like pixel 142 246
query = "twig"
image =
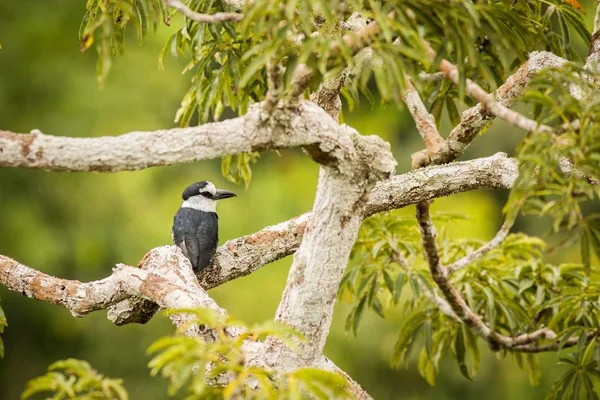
pixel 436 76
pixel 556 345
pixel 424 121
pixel 483 250
pixel 594 51
pixel 487 100
pixel 474 119
pixel 356 41
pixel 204 18
pixel 439 273
pixel 442 304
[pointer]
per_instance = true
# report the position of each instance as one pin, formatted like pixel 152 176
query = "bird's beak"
pixel 223 194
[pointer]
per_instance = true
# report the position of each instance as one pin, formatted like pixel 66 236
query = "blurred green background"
pixel 79 225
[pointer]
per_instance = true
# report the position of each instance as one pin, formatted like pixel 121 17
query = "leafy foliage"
pixel 543 25
pixel 230 60
pixel 386 259
pixel 560 169
pixel 511 288
pixel 237 168
pixel 192 361
pixel 233 64
pixel 105 23
pixel 578 381
pixel 75 379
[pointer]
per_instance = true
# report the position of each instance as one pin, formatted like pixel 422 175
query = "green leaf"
pixel 534 368
pixel 356 315
pixel 398 286
pixel 590 392
pixel 389 282
pixel 524 285
pixel 490 307
pixel 427 368
pixel 585 249
pixel 142 18
pixel 474 346
pixel 436 110
pixel 333 383
pixel 453 113
pixel 460 349
pixel 411 325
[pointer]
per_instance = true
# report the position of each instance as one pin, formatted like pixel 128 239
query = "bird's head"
pixel 203 196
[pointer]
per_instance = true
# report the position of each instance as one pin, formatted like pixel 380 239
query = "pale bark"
pixel 424 121
pixel 594 52
pixel 319 263
pixel 165 281
pixel 307 126
pixel 203 18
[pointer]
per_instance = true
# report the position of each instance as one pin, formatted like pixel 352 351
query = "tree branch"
pixel 307 126
pixel 486 248
pixel 474 119
pixel 424 121
pixel 309 296
pixel 79 298
pixel 439 273
pixel 487 100
pixel 125 281
pixel 594 52
pixel 244 255
pixel 203 18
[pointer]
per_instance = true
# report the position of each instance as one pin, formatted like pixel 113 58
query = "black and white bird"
pixel 195 226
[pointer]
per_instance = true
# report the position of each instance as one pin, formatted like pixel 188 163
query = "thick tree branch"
pixel 242 256
pixel 309 296
pixel 307 126
pixel 79 298
pixel 125 281
pixel 497 171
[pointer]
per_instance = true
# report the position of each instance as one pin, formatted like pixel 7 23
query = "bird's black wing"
pixel 184 228
pixel 195 232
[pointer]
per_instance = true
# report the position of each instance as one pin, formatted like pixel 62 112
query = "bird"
pixel 195 225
